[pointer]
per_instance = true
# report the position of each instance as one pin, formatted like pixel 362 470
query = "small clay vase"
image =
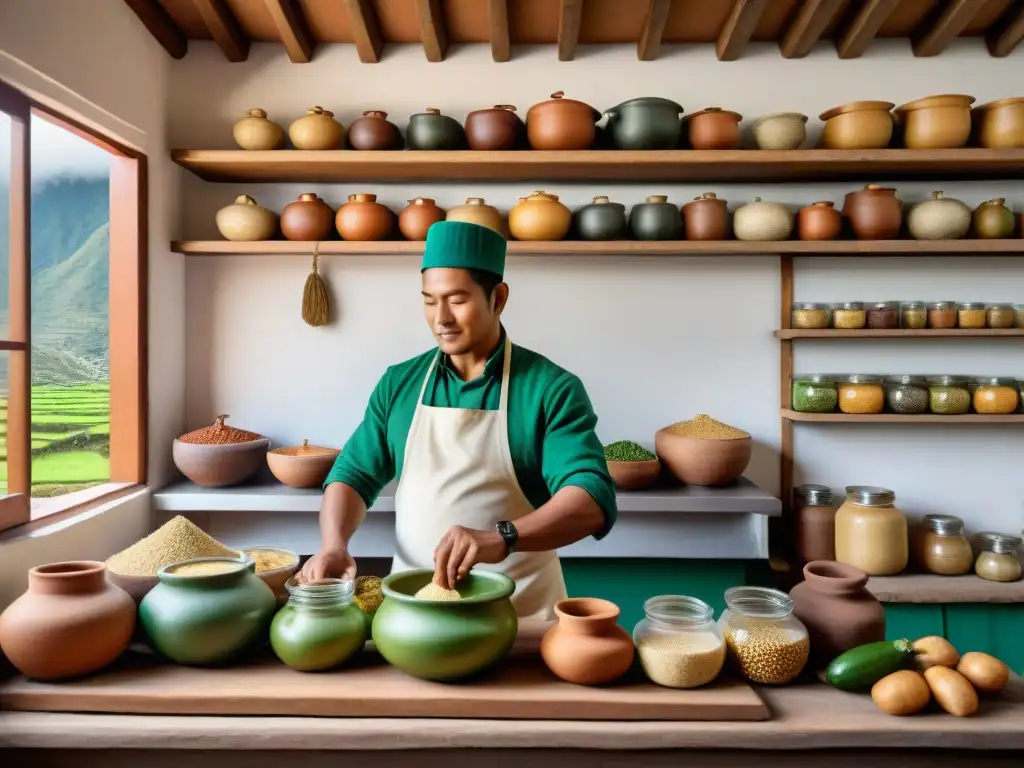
pixel 655 219
pixel 874 213
pixel 783 130
pixel 706 217
pixel 255 132
pixel 834 604
pixel 762 222
pixel 416 218
pixel 992 220
pixel 936 122
pixel 857 125
pixel 373 132
pixel 561 124
pixel 476 211
pixel 495 129
pixel 600 220
pixel 363 218
pixel 70 622
pixel 941 218
pixel 539 217
pixel 432 131
pixel 246 221
pixel 316 130
pixel 586 646
pixel 714 128
pixel 308 218
pixel 819 221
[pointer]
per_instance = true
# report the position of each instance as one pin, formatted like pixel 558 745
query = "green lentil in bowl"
pixel 627 450
pixel 948 395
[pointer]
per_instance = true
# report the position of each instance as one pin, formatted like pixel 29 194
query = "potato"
pixel 934 651
pixel 901 693
pixel 986 673
pixel 952 690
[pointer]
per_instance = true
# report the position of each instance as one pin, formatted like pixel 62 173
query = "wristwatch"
pixel 508 533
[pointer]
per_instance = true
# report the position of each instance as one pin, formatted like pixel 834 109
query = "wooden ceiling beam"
pixel 432 29
pixel 293 30
pixel 942 27
pixel 362 19
pixel 501 42
pixel 161 26
pixel 808 26
pixel 224 28
pixel 863 27
pixel 1007 32
pixel 654 28
pixel 569 21
pixel 739 27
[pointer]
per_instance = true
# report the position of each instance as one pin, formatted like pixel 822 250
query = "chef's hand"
pixel 328 564
pixel 462 548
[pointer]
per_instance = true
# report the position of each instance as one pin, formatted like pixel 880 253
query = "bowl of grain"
pixel 219 455
pixel 703 451
pixel 631 466
pixel 302 466
pixel 274 566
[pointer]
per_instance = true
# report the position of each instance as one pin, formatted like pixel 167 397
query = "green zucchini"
pixel 860 668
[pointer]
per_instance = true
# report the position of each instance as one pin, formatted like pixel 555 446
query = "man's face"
pixel 458 312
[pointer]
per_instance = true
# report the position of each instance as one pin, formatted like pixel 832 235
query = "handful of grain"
pixel 176 540
pixel 703 427
pixel 432 591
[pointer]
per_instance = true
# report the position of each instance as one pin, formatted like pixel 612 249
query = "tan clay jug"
pixel 539 217
pixel 246 221
pixel 255 132
pixel 476 211
pixel 587 646
pixel 317 129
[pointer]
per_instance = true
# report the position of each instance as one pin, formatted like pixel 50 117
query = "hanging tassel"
pixel 316 302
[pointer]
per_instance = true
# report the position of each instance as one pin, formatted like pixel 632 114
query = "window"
pixel 72 312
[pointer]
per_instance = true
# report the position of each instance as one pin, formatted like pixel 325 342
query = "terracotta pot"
pixel 317 130
pixel 837 609
pixel 363 218
pixel 1000 124
pixel 561 124
pixel 586 646
pixel 219 455
pixel 373 132
pixel 494 129
pixel 784 130
pixel 476 211
pixel 301 466
pixel 656 219
pixel 308 218
pixel 246 221
pixel 936 122
pixel 634 475
pixel 539 217
pixel 874 213
pixel 706 218
pixel 432 131
pixel 941 218
pixel 648 122
pixel 601 220
pixel 70 622
pixel 695 461
pixel 416 218
pixel 992 220
pixel 857 125
pixel 761 222
pixel 714 128
pixel 275 578
pixel 819 221
pixel 255 132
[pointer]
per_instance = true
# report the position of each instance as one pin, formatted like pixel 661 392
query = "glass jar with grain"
pixel 814 511
pixel 320 627
pixel 996 395
pixel 678 642
pixel 884 315
pixel 871 533
pixel 861 393
pixel 945 549
pixel 906 394
pixel 809 316
pixel 998 560
pixel 815 393
pixel 768 643
pixel 971 315
pixel 1018 315
pixel 1000 315
pixel 849 315
pixel 913 315
pixel 948 395
pixel 942 315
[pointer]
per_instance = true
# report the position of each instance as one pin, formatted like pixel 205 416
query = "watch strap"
pixel 507 530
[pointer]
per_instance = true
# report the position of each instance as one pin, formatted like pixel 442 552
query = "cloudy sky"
pixel 55 152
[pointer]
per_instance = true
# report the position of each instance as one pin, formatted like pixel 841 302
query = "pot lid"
pixel 600 200
pixel 319 111
pixel 649 101
pixel 939 195
pixel 305 450
pixel 362 197
pixel 539 195
pixel 219 433
pixel 376 113
pixel 245 200
pixel 422 201
pixel 657 199
pixel 475 201
pixel 856 106
pixel 558 97
pixel 308 197
pixel 501 107
pixel 255 113
pixel 775 115
pixel 715 110
pixel 706 197
pixel 822 204
pixel 942 100
pixel 1000 201
pixel 1008 102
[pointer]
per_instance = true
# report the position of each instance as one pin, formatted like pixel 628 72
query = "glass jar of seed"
pixel 999 315
pixel 996 395
pixel 913 315
pixel 998 560
pixel 809 315
pixel 815 393
pixel 907 394
pixel 884 314
pixel 1018 315
pixel 678 642
pixel 942 314
pixel 861 393
pixel 948 395
pixel 970 315
pixel 849 315
pixel 766 641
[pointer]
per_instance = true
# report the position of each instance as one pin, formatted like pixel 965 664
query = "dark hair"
pixel 488 281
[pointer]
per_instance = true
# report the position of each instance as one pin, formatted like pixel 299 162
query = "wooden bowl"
pixel 634 475
pixel 857 125
pixel 302 466
pixel 703 462
pixel 276 577
pixel 936 122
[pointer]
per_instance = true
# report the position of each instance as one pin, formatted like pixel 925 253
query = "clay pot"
pixel 714 128
pixel 762 222
pixel 586 646
pixel 694 461
pixel 561 124
pixel 634 475
pixel 655 219
pixel 837 609
pixel 936 122
pixel 476 211
pixel 363 218
pixel 645 123
pixel 308 218
pixel 539 217
pixel 70 622
pixel 784 130
pixel 874 213
pixel 255 132
pixel 600 220
pixel 706 218
pixel 275 578
pixel 1000 124
pixel 857 125
pixel 819 221
pixel 219 455
pixel 494 129
pixel 317 129
pixel 992 220
pixel 301 466
pixel 416 218
pixel 432 131
pixel 941 218
pixel 246 221
pixel 373 132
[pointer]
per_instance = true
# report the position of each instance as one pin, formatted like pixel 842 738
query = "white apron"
pixel 458 471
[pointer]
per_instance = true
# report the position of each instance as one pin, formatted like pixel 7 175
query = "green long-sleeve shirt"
pixel 551 426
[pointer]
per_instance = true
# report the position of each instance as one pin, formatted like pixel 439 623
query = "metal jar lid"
pixel 885 305
pixel 870 495
pixel 814 495
pixel 906 380
pixel 817 378
pixel 999 543
pixel 1002 307
pixel 948 381
pixel 995 381
pixel 809 305
pixel 862 378
pixel 913 305
pixel 942 305
pixel 945 525
pixel 855 305
pixel 970 305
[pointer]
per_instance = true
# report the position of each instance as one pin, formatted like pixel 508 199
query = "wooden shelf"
pixel 899 418
pixel 901 333
pixel 290 165
pixel 929 588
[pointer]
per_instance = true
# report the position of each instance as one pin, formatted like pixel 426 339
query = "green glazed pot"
pixel 601 220
pixel 207 619
pixel 320 627
pixel 656 219
pixel 649 122
pixel 431 130
pixel 445 640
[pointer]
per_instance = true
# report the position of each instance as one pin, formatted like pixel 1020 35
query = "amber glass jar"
pixel 998 559
pixel 996 395
pixel 971 315
pixel 942 314
pixel 849 315
pixel 945 549
pixel 809 315
pixel 861 393
pixel 871 533
pixel 814 510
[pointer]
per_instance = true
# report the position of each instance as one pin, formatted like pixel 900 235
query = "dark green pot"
pixel 320 627
pixel 600 220
pixel 438 640
pixel 649 122
pixel 656 219
pixel 207 620
pixel 431 130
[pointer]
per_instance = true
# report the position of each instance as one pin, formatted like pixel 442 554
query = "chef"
pixel 493 444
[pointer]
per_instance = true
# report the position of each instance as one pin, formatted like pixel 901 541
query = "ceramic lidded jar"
pixel 476 211
pixel 586 646
pixel 655 219
pixel 431 130
pixel 246 221
pixel 992 220
pixel 758 221
pixel 539 217
pixel 819 221
pixel 308 218
pixel 714 128
pixel 941 218
pixel 320 627
pixel 857 125
pixel 1000 124
pixel 363 218
pixel 494 129
pixel 561 124
pixel 255 132
pixel 601 220
pixel 706 218
pixel 373 132
pixel 316 130
pixel 874 213
pixel 219 455
pixel 936 122
pixel 416 218
pixel 70 622
pixel 784 130
pixel 648 122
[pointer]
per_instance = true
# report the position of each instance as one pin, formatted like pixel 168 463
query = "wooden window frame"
pixel 128 315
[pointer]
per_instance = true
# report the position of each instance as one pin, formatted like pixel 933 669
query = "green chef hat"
pixel 462 245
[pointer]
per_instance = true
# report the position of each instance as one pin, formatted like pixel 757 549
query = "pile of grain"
pixel 703 427
pixel 681 659
pixel 176 540
pixel 269 559
pixel 368 594
pixel 205 569
pixel 767 653
pixel 432 591
pixel 627 450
